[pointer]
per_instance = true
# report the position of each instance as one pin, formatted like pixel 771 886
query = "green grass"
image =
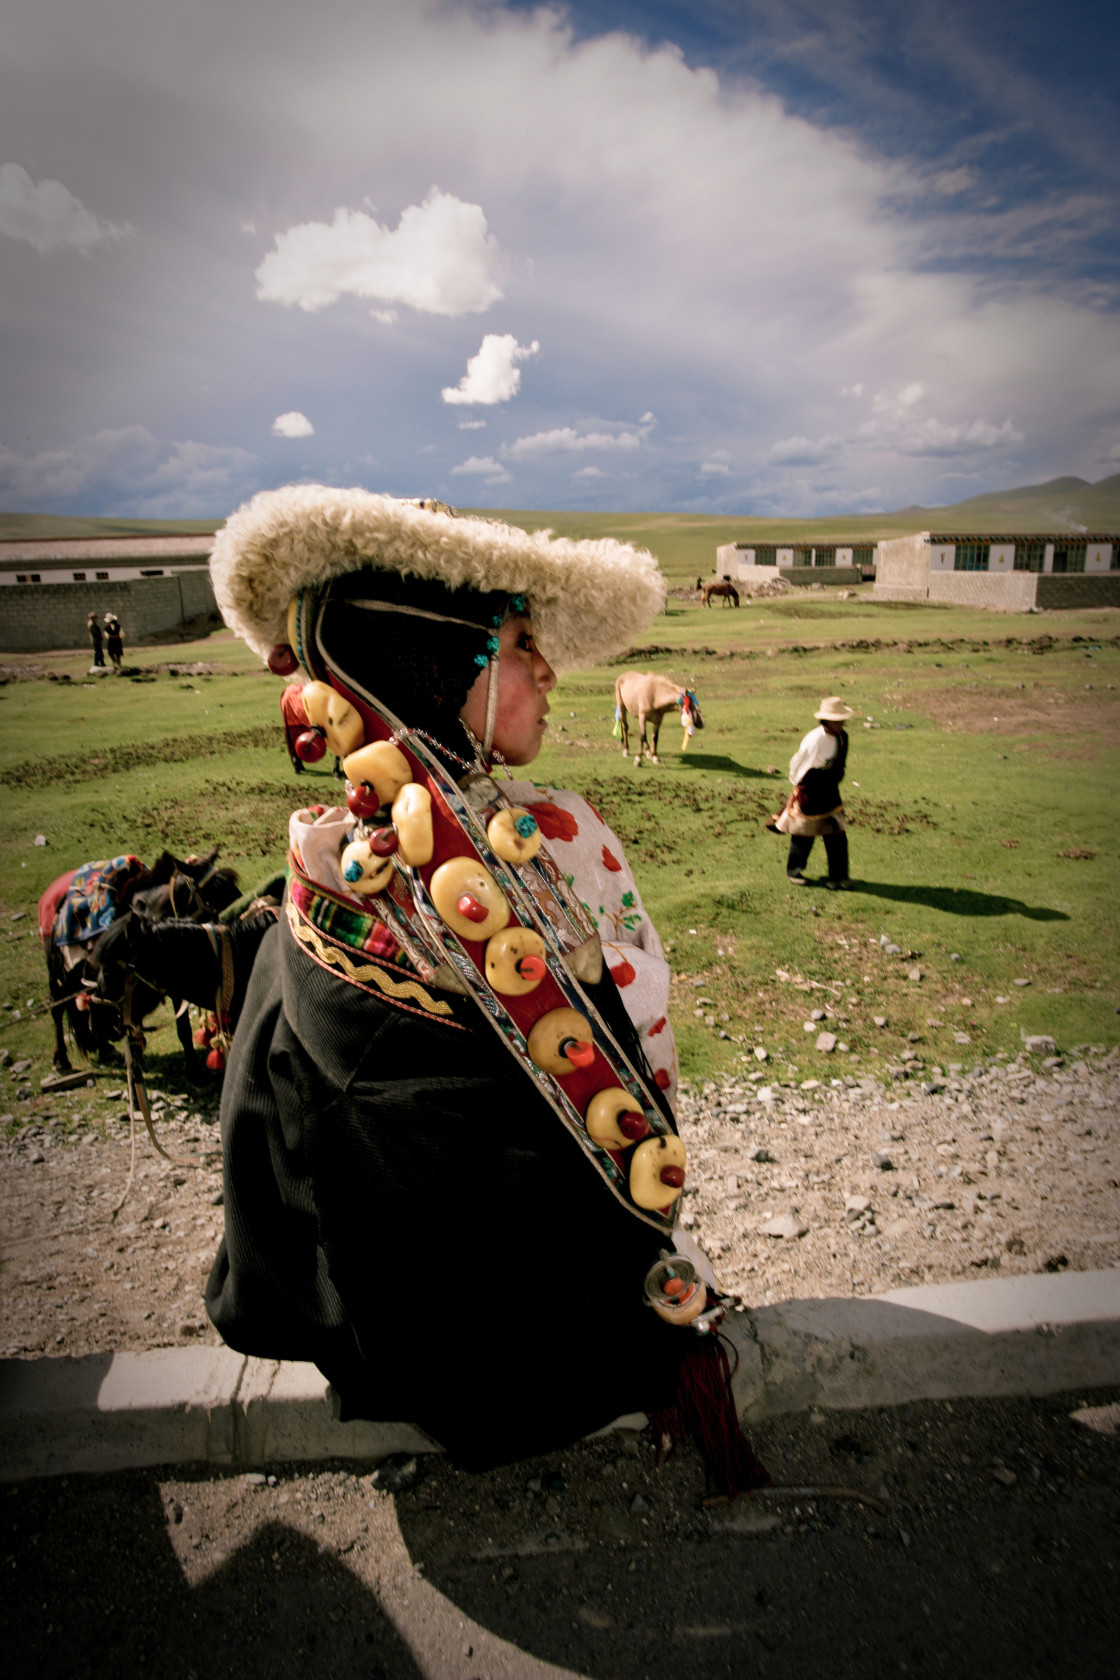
pixel 957 823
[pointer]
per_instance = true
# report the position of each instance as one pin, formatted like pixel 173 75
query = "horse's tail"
pixel 618 709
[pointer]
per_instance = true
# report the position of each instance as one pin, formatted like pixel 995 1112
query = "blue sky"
pixel 780 257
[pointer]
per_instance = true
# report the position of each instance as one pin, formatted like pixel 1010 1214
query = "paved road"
pixel 997 1556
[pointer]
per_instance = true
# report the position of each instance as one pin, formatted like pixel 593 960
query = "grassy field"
pixel 981 792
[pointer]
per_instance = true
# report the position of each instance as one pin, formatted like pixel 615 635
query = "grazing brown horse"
pixel 649 697
pixel 727 589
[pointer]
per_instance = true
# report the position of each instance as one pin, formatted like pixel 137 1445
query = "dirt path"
pixel 1002 1170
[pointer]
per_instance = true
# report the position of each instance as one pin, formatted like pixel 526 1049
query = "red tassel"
pixel 704 1411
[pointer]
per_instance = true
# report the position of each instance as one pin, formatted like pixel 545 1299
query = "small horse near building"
pixel 725 588
pixel 649 697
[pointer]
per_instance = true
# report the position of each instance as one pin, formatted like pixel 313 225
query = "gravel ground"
pixel 798 1192
pixel 990 1550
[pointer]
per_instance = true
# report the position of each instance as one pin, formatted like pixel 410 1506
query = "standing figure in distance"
pixel 814 807
pixel 94 629
pixel 114 640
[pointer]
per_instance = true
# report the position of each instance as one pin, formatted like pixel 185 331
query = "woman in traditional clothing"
pixel 451 1168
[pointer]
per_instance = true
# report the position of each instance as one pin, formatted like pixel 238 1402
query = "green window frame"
pixel 1069 557
pixel 863 556
pixel 824 557
pixel 1029 557
pixel 971 557
pixel 766 556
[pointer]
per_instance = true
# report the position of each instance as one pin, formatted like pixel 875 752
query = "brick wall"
pixel 1076 589
pixel 35 617
pixel 1006 592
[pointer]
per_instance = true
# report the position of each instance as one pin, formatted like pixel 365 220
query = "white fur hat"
pixel 589 599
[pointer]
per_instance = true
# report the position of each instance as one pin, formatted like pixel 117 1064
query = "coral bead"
pixel 383 842
pixel 673 1176
pixel 282 660
pixel 310 746
pixel 578 1052
pixel 362 801
pixel 632 1125
pixel 532 968
pixel 469 907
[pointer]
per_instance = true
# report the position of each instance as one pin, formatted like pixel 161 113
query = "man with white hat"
pixel 814 807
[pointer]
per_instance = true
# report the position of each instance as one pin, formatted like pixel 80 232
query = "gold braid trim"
pixel 360 974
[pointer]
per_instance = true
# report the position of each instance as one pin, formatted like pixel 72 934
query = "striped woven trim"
pixel 344 924
pixel 367 976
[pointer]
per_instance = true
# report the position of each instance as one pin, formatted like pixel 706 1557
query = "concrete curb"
pixel 1025 1335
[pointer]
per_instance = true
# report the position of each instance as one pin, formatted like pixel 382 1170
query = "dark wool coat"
pixel 405 1210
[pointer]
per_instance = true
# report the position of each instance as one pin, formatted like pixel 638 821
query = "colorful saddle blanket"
pixel 96 896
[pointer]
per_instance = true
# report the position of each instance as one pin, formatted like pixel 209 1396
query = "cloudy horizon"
pixel 790 258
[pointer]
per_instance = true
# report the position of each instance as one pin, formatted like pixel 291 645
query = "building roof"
pixel 1026 537
pixel 91 551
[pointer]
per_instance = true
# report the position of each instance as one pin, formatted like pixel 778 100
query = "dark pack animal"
pixel 726 590
pixel 82 907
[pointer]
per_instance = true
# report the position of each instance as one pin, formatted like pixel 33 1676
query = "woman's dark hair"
pixel 421 667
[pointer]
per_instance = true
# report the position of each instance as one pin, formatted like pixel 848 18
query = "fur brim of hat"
pixel 833 710
pixel 589 599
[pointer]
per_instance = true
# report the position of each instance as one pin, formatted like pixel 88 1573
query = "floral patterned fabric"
pixel 97 895
pixel 593 862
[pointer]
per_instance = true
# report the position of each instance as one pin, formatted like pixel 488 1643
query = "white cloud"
pixel 472 425
pixel 293 425
pixel 851 390
pixel 439 260
pixel 949 182
pixel 715 468
pixel 493 375
pixel 897 428
pixel 44 214
pixel 248 227
pixel 588 473
pixel 565 440
pixel 483 466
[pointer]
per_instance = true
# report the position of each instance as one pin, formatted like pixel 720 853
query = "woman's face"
pixel 524 678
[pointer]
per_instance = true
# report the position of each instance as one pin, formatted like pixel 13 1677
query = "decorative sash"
pixel 538 899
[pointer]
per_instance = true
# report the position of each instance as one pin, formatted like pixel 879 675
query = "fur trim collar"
pixel 589 599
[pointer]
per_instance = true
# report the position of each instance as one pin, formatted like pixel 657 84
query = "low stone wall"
pixel 847 576
pixel 36 617
pixel 1013 592
pixel 1078 589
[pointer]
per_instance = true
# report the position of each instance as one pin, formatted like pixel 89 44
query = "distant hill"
pixel 685 543
pixel 57 527
pixel 1060 504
